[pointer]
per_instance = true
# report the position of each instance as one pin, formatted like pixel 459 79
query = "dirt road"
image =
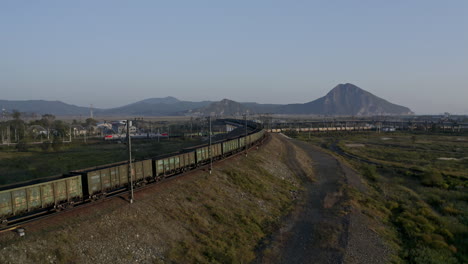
pixel 325 228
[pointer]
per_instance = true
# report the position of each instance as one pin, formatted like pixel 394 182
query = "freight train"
pixel 321 129
pixel 24 201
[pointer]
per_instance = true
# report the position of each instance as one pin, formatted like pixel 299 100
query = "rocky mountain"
pixel 347 99
pixel 224 107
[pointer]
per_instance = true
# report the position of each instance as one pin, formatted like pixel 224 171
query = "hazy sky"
pixel 111 53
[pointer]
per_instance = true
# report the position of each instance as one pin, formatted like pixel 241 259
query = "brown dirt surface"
pixel 326 227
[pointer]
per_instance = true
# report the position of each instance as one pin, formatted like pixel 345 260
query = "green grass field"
pixel 17 166
pixel 418 190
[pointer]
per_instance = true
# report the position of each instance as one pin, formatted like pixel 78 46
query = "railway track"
pixel 336 149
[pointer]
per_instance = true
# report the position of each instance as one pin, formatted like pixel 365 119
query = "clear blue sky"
pixel 111 53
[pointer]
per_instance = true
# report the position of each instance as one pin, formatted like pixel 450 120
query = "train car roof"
pixel 35 181
pixel 100 167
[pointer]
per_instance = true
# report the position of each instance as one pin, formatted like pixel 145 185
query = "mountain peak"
pixel 346 88
pixel 224 107
pixel 226 102
pixel 348 100
pixel 164 100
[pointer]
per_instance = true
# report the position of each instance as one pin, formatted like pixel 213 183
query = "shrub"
pixel 370 172
pixel 432 178
pixel 45 146
pixel 22 146
pixel 291 133
pixel 57 144
pixel 427 255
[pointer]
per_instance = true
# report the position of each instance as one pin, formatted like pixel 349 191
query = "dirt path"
pixel 325 228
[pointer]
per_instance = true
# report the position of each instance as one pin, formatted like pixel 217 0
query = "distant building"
pixel 388 129
pixel 78 130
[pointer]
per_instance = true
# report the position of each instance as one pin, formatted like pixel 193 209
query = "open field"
pixel 16 166
pixel 420 198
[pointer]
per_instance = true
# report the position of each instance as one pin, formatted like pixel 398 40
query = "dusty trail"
pixel 324 228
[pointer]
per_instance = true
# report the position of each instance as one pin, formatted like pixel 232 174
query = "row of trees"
pixel 48 127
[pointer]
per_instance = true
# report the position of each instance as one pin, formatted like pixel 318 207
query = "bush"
pixel 57 144
pixel 291 133
pixel 22 146
pixel 45 146
pixel 370 172
pixel 427 255
pixel 433 178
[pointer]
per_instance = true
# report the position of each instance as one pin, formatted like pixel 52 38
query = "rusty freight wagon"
pixel 230 146
pixel 203 153
pixel 173 163
pixel 38 196
pixel 107 179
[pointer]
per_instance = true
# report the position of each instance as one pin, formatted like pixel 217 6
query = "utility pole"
pixel 130 167
pixel 209 150
pixel 191 126
pixel 8 135
pixel 245 141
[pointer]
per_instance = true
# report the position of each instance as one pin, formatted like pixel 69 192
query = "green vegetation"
pixel 418 190
pixel 228 231
pixel 56 157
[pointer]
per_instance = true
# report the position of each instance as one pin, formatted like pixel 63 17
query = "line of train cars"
pixel 321 129
pixel 28 199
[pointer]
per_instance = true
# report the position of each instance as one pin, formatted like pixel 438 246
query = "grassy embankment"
pixel 37 161
pixel 421 199
pixel 219 218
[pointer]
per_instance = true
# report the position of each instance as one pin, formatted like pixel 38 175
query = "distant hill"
pixel 168 106
pixel 224 107
pixel 41 107
pixel 347 99
pixel 344 99
pixel 165 100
